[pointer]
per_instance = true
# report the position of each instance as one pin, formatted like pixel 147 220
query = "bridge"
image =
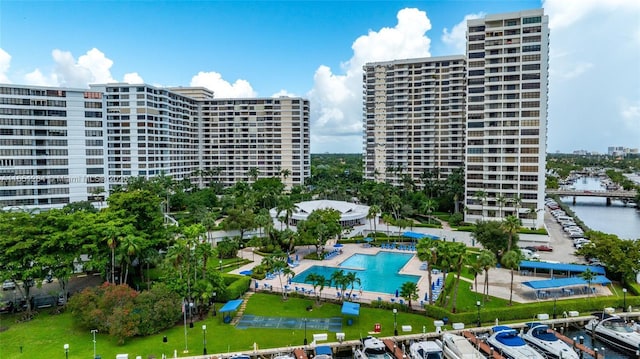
pixel 624 196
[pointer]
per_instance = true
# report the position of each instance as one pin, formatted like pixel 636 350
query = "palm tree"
pixel 487 260
pixel 286 207
pixel 372 216
pixel 511 224
pixel 429 206
pixel 589 276
pixel 317 280
pixel 340 282
pixel 517 203
pixel 285 172
pixel 501 200
pixel 253 173
pixel 458 255
pixel 130 246
pixel 352 279
pixel 387 220
pixel 482 197
pixel 409 291
pixel 511 260
pixel 427 250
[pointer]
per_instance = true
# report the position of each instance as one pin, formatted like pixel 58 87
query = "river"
pixel 618 219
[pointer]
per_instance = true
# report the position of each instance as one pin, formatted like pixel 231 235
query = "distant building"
pixel 621 151
pixel 62 145
pixel 351 214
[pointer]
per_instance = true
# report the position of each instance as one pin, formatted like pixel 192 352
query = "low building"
pixel 351 214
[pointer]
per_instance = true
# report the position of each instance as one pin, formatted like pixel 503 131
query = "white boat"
pixel 458 347
pixel 506 341
pixel 425 349
pixel 372 348
pixel 614 331
pixel 283 356
pixel 539 337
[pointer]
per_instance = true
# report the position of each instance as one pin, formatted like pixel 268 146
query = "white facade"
pixel 59 146
pixel 507 73
pixel 414 115
pixel 351 214
pixel 52 148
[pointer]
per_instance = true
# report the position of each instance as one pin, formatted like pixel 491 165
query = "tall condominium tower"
pixel 62 145
pixel 414 115
pixel 507 74
pixel 267 137
pixel 52 146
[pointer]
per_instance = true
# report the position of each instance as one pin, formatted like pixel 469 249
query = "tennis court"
pixel 333 324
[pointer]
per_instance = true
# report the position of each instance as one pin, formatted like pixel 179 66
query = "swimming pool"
pixel 377 273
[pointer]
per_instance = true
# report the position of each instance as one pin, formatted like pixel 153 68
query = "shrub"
pixel 237 285
pixel 456 219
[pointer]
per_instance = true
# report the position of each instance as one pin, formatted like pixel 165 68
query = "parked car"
pixel 8 285
pixel 6 306
pixel 544 248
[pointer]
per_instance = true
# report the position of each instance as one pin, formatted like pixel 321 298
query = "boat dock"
pixel 484 347
pixel 576 345
pixel 393 348
pixel 300 353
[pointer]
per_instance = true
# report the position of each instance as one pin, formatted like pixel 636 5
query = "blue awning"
pixel 349 308
pixel 324 349
pixel 562 267
pixel 565 282
pixel 231 306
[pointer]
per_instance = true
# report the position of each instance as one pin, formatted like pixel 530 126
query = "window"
pixel 532 20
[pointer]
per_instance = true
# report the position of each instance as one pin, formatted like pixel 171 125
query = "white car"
pixel 8 285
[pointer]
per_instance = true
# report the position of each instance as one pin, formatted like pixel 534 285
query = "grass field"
pixel 45 336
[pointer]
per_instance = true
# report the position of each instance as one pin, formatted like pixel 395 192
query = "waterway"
pixel 609 352
pixel 618 219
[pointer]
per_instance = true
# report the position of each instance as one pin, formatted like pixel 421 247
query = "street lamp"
pixel 395 321
pixel 220 261
pixel 478 306
pixel 204 339
pixel 305 330
pixel 94 331
pixel 214 304
pixel 66 350
pixel 624 300
pixel 555 299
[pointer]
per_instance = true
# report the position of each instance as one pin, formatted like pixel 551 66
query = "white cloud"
pixel 457 37
pixel 222 88
pixel 38 79
pixel 336 111
pixel 5 63
pixel 593 74
pixel 284 93
pixel 133 78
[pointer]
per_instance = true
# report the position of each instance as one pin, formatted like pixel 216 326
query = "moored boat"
pixel 458 347
pixel 614 331
pixel 538 336
pixel 372 348
pixel 425 349
pixel 506 341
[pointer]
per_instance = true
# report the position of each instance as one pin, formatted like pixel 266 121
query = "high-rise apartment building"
pixel 414 118
pixel 507 75
pixel 52 146
pixel 65 145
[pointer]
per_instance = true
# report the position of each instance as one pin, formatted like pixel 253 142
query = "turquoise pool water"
pixel 378 273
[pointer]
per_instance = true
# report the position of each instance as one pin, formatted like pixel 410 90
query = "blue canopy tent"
pixel 230 306
pixel 350 308
pixel 541 285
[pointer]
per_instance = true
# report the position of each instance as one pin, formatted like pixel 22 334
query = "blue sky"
pixel 315 49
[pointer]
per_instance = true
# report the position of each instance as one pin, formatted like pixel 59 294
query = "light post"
pixel 478 306
pixel 395 321
pixel 555 299
pixel 305 331
pixel 66 351
pixel 624 300
pixel 220 262
pixel 204 339
pixel 254 254
pixel 214 304
pixel 94 331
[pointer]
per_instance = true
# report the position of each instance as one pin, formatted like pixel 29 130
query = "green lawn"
pixel 45 336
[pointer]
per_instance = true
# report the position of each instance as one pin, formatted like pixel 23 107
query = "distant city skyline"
pixel 316 49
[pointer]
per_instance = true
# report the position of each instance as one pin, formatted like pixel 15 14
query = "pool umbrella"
pixel 426 296
pixel 337 245
pixel 296 257
pixel 396 293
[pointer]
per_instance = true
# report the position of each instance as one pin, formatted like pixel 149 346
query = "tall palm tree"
pixel 511 224
pixel 340 282
pixel 501 199
pixel 429 206
pixel 511 260
pixel 458 255
pixel 409 291
pixel 372 216
pixel 286 207
pixel 317 280
pixel 517 203
pixel 487 260
pixel 352 279
pixel 130 246
pixel 427 250
pixel 589 276
pixel 482 197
